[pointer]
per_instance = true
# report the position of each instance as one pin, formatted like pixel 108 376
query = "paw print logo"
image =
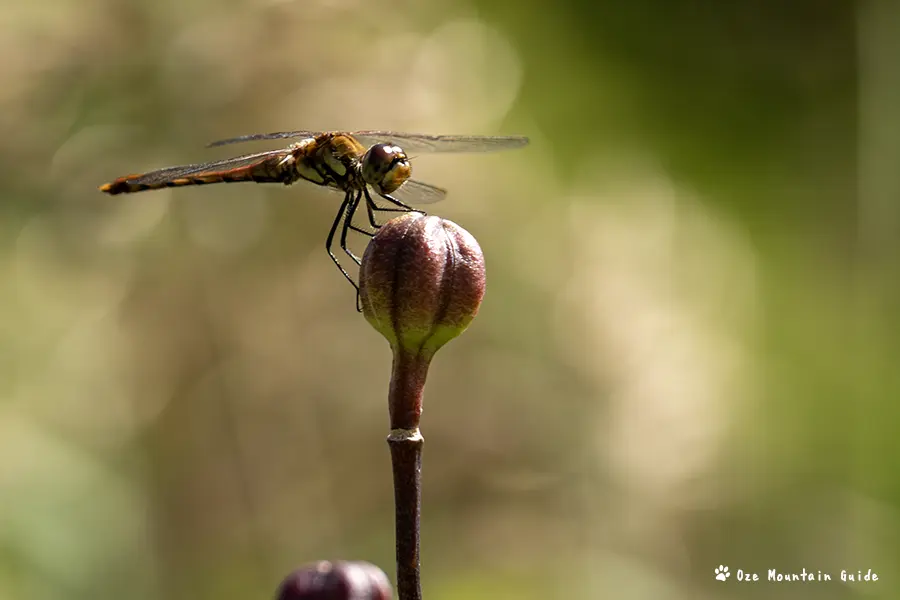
pixel 722 573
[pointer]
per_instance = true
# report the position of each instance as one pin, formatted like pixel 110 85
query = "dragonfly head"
pixel 385 167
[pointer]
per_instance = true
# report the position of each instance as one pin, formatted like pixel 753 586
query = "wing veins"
pixel 410 142
pixel 227 164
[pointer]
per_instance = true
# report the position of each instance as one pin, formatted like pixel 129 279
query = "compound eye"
pixel 376 162
pixel 381 155
pixel 385 167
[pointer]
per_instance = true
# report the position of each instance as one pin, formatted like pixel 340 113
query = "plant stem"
pixel 406 458
pixel 408 373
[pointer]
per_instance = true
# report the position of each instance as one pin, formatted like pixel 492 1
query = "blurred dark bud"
pixel 326 580
pixel 421 282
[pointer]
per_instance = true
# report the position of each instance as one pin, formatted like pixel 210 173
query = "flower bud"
pixel 421 282
pixel 336 581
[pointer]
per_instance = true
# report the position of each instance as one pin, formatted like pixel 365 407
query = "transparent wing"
pixel 210 168
pixel 260 167
pixel 414 192
pixel 255 137
pixel 420 143
pixel 414 143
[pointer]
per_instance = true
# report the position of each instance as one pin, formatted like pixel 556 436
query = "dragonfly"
pixel 355 163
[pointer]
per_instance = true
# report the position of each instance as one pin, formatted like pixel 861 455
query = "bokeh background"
pixel 687 355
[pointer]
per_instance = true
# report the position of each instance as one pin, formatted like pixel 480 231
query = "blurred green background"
pixel 687 356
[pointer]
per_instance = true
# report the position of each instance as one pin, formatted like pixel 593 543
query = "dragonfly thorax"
pixel 385 167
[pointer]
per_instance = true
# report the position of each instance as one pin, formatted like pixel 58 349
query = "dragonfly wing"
pixel 415 192
pixel 416 143
pixel 420 143
pixel 255 137
pixel 262 167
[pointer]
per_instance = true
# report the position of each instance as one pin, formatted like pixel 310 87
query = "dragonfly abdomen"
pixel 262 172
pixel 124 186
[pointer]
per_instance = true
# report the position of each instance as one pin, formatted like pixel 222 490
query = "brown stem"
pixel 406 457
pixel 407 385
pixel 408 376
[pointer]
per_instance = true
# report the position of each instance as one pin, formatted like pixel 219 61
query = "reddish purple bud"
pixel 325 580
pixel 421 282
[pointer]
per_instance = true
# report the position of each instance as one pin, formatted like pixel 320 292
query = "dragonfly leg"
pixel 329 242
pixel 371 207
pixel 365 232
pixel 348 224
pixel 395 202
pixel 350 211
